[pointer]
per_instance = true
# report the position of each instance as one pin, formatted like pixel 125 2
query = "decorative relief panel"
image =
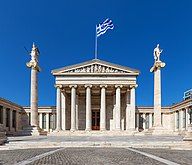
pixel 96 68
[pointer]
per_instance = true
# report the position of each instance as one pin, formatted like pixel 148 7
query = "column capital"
pixel 72 86
pixel 58 86
pixel 103 86
pixel 133 86
pixel 118 86
pixel 88 85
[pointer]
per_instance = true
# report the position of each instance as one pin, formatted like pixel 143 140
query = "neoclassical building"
pixel 95 96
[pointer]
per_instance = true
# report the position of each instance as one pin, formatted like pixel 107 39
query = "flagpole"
pixel 96 42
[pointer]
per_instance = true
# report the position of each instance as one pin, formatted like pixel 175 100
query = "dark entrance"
pixel 95 120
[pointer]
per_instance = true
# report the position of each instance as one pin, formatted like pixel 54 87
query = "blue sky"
pixel 65 34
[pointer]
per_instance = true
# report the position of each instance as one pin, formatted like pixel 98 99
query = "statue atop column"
pixel 157 52
pixel 157 63
pixel 34 66
pixel 33 63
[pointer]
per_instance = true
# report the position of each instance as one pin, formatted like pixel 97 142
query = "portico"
pixel 95 95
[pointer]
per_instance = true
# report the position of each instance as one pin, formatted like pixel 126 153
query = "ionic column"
pixel 181 119
pixel 114 111
pixel 144 118
pixel 88 107
pixel 132 107
pixel 76 112
pixel 40 120
pixel 47 121
pixel 150 120
pixel 187 117
pixel 63 110
pixel 58 108
pixel 73 107
pixel 118 107
pixel 103 108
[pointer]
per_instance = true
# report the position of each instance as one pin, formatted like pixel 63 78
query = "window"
pixel 29 118
pixel 7 117
pixel 152 119
pixel 43 120
pixel 140 121
pixel 14 119
pixel 1 114
pixel 161 119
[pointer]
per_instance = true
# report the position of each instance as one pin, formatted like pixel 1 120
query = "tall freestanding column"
pixel 34 65
pixel 88 107
pixel 156 69
pixel 103 108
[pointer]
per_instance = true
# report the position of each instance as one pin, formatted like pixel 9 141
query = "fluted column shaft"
pixel 58 108
pixel 73 107
pixel 118 107
pixel 88 107
pixel 132 114
pixel 34 98
pixel 103 108
pixel 157 98
pixel 47 121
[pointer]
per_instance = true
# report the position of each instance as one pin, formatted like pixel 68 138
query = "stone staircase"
pixel 92 133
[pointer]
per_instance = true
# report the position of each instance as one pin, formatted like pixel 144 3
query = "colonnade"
pixel 61 107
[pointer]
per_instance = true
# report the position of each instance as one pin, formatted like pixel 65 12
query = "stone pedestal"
pixel 3 137
pixel 188 136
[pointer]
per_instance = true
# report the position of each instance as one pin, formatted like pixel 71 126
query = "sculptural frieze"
pixel 95 68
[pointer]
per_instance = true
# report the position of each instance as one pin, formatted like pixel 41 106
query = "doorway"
pixel 95 120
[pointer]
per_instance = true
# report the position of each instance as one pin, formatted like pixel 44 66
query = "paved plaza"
pixel 95 155
pixel 95 150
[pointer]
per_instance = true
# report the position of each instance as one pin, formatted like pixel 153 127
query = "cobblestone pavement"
pixel 93 156
pixel 178 156
pixel 8 157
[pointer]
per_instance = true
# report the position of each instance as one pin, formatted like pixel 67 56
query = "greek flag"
pixel 102 28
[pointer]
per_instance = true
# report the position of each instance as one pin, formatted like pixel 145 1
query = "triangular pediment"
pixel 95 66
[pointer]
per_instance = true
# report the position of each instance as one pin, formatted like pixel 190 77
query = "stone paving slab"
pixel 14 156
pixel 178 156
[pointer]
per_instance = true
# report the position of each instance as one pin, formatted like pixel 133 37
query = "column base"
pixel 33 131
pixel 188 135
pixel 3 137
pixel 158 130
